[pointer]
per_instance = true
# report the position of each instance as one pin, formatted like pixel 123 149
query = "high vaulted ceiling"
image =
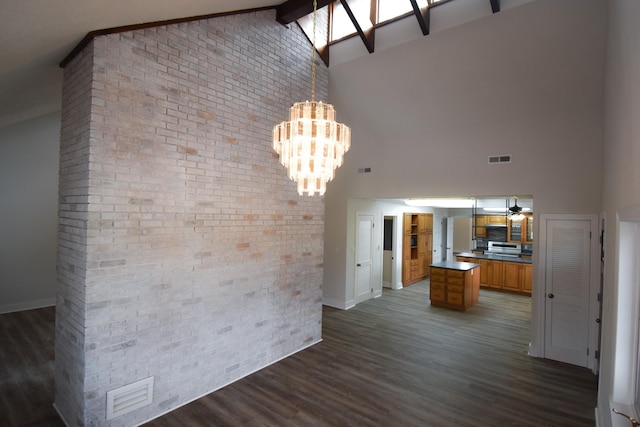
pixel 36 35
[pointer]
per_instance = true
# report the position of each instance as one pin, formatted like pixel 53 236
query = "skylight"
pixel 341 25
pixel 389 9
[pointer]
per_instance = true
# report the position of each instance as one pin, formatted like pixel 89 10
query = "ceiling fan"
pixel 515 212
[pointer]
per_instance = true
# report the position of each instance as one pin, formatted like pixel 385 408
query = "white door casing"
pixel 450 256
pixel 364 257
pixel 568 280
pixel 438 244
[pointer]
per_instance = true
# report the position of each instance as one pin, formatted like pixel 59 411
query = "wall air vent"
pixel 364 170
pixel 500 159
pixel 129 398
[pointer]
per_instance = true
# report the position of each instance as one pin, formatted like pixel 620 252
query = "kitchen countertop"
pixel 495 257
pixel 455 265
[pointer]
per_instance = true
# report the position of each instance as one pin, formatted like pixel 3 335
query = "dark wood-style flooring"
pixel 392 361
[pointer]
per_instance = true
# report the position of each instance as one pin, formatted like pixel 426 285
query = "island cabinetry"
pixel 417 246
pixel 438 291
pixel 454 284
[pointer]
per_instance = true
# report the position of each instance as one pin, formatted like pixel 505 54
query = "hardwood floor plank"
pixel 398 361
pixel 27 372
pixel 394 360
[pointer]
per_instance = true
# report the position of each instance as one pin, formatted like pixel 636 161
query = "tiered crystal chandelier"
pixel 311 144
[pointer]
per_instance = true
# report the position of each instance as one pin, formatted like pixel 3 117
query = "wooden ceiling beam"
pixel 292 10
pixel 423 16
pixel 366 30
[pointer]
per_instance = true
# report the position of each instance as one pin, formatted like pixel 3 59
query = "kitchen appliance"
pixel 496 233
pixel 504 249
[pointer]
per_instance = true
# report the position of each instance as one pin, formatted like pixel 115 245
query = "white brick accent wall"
pixel 185 253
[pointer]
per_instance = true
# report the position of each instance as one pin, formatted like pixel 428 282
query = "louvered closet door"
pixel 567 291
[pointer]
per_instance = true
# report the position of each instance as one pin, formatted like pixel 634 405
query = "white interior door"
pixel 567 290
pixel 364 257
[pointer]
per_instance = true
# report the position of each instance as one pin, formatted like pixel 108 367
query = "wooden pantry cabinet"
pixel 417 246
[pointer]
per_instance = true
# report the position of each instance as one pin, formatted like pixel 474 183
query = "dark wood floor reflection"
pixel 26 369
pixel 396 361
pixel 392 361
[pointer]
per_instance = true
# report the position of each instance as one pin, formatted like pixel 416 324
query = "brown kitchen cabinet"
pixel 517 277
pixel 417 247
pixel 503 275
pixel 497 219
pixel 520 231
pixel 493 274
pixel 528 228
pixel 480 225
pixel 454 284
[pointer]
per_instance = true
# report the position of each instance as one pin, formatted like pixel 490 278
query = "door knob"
pixel 550 295
pixel 359 265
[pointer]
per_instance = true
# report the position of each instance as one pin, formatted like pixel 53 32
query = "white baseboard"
pixel 64 420
pixel 230 382
pixel 342 305
pixel 27 305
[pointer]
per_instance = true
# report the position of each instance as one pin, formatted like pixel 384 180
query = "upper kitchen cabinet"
pixel 483 223
pixel 520 230
pixel 480 225
pixel 528 230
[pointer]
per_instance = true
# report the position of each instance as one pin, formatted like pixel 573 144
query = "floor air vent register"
pixel 129 398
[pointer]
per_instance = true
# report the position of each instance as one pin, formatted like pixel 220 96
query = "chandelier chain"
pixel 311 144
pixel 313 53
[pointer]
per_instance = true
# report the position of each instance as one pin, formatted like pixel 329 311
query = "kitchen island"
pixel 454 284
pixel 502 273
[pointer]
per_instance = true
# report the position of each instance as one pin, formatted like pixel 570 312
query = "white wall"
pixel 380 209
pixel 621 179
pixel 28 225
pixel 425 115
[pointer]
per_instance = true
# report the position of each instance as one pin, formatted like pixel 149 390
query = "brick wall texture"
pixel 185 252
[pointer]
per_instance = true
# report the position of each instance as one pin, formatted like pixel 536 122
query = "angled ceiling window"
pixel 390 9
pixel 341 25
